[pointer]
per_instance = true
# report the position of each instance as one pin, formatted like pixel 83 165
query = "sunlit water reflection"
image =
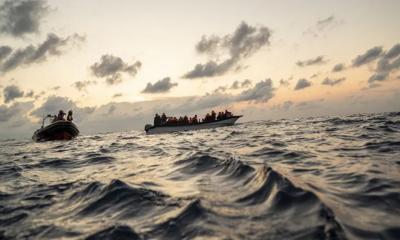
pixel 315 178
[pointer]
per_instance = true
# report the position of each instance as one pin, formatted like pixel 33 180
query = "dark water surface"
pixel 314 178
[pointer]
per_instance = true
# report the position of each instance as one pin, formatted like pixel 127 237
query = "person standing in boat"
pixel 61 115
pixel 157 120
pixel 69 116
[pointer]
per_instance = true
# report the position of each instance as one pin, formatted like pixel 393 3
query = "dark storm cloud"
pixel 12 92
pixel 52 46
pixel 20 17
pixel 244 84
pixel 332 81
pixel 261 92
pixel 367 57
pixel 338 67
pixel 161 86
pixel 244 42
pixel 111 67
pixel 302 83
pixel 82 85
pixel 4 52
pixel 314 61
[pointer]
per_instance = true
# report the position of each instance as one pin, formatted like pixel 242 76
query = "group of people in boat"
pixel 163 120
pixel 60 116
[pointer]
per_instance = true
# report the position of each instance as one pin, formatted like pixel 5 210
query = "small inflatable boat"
pixel 150 129
pixel 60 130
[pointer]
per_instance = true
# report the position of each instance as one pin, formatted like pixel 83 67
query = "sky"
pixel 117 63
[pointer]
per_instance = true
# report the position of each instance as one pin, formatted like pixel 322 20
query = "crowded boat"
pixel 163 120
pixel 163 123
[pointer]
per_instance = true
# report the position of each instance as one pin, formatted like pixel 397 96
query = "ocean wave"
pixel 308 178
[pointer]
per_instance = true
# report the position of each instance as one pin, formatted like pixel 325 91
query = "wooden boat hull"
pixel 60 130
pixel 168 129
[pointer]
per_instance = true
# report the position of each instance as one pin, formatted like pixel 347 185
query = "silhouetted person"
pixel 163 118
pixel 213 115
pixel 157 120
pixel 61 115
pixel 69 116
pixel 194 120
pixel 185 120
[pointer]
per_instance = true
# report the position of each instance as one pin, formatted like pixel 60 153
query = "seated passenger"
pixel 69 117
pixel 163 118
pixel 228 114
pixel 213 115
pixel 219 116
pixel 180 121
pixel 185 120
pixel 194 120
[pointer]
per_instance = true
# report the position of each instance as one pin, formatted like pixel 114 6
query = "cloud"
pixel 310 104
pixel 338 67
pixel 6 113
pixel 315 75
pixel 12 92
pixel 208 45
pixel 314 61
pixel 52 46
pixel 285 82
pixel 111 110
pixel 30 94
pixel 393 52
pixel 302 83
pixel 4 52
pixel 285 106
pixel 82 85
pixel 367 57
pixel 55 103
pixel 388 63
pixel 243 43
pixel 117 95
pixel 261 92
pixel 379 76
pixel 322 26
pixel 161 86
pixel 332 82
pixel 111 67
pixel 20 17
pixel 237 84
pixel 220 90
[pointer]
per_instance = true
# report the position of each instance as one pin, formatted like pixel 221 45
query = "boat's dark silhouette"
pixel 59 130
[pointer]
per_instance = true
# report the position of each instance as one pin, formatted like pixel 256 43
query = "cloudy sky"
pixel 116 63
